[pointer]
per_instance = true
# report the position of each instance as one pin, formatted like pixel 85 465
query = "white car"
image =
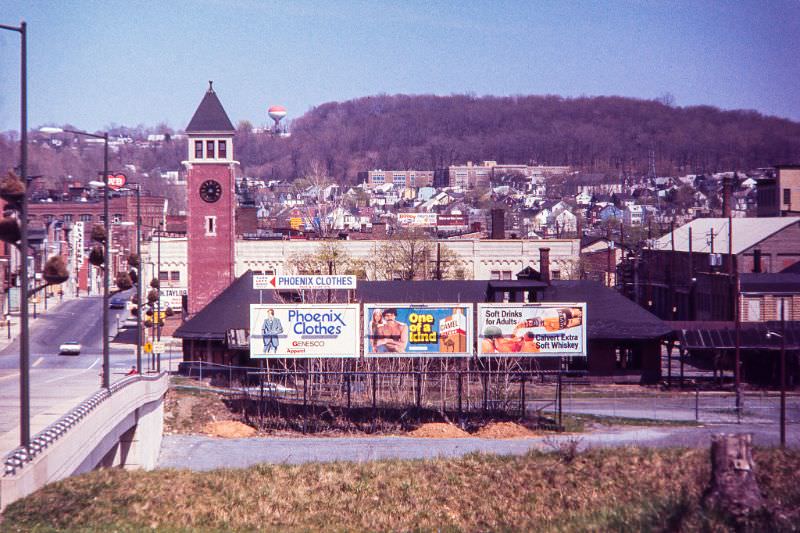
pixel 70 348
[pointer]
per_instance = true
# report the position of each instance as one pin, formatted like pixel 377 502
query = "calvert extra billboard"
pixel 417 330
pixel 304 330
pixel 535 329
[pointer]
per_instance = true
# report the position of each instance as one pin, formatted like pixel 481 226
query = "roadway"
pixel 58 382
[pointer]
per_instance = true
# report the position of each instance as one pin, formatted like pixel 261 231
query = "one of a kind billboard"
pixel 417 330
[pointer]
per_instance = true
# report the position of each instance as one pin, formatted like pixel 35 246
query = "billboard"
pixel 532 330
pixel 420 220
pixel 304 330
pixel 418 330
pixel 452 221
pixel 172 297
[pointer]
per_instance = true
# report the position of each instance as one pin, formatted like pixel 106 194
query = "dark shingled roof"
pixel 610 315
pixel 770 283
pixel 210 115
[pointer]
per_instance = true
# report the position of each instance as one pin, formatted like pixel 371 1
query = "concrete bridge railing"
pixel 121 426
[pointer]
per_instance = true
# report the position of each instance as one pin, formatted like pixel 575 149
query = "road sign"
pixel 116 181
pixel 159 347
pixel 148 347
pixel 261 282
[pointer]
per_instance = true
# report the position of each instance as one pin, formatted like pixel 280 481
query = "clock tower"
pixel 211 202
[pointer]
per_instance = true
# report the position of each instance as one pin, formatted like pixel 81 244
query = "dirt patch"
pixel 438 430
pixel 504 430
pixel 189 411
pixel 229 429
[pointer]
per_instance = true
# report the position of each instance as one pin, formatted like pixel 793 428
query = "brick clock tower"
pixel 211 202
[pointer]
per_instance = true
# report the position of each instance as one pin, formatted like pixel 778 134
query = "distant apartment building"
pixel 471 175
pixel 779 192
pixel 401 178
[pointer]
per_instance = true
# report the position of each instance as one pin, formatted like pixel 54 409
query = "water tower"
pixel 276 113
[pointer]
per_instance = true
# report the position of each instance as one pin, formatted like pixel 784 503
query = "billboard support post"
pixel 522 395
pixel 485 377
pixel 419 389
pixel 305 398
pixel 349 378
pixel 460 385
pixel 559 393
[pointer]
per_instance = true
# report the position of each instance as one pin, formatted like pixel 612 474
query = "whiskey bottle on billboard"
pixel 565 318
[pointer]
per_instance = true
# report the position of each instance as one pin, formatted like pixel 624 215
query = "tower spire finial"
pixel 210 86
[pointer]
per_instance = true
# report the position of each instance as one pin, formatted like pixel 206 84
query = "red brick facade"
pixel 210 253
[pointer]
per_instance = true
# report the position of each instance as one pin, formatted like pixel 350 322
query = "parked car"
pixel 129 323
pixel 118 301
pixel 70 348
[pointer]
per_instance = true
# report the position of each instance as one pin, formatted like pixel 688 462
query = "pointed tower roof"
pixel 210 115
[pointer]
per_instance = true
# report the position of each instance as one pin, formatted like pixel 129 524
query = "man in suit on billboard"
pixel 271 329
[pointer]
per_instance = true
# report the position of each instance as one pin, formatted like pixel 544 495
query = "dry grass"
pixel 623 489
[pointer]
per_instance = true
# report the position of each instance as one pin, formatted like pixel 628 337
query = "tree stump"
pixel 733 489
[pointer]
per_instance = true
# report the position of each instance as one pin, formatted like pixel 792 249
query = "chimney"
pixel 498 224
pixel 544 264
pixel 757 261
pixel 727 191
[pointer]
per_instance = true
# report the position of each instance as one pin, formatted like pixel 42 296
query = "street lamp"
pixel 136 187
pixel 106 247
pixel 782 336
pixel 24 348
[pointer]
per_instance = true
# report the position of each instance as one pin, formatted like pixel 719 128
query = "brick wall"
pixel 210 257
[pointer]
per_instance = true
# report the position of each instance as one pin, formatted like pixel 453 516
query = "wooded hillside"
pixel 600 134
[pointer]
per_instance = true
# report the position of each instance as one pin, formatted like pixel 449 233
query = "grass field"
pixel 626 489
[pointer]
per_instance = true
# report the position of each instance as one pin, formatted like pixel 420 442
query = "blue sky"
pixel 97 63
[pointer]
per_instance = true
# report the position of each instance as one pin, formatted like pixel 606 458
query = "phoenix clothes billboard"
pixel 417 330
pixel 304 330
pixel 532 330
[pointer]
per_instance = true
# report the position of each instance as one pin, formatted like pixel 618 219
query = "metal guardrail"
pixel 21 455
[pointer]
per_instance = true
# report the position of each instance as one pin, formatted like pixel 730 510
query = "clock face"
pixel 210 191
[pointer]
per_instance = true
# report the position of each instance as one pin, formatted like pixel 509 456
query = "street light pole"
pixel 783 373
pixel 106 267
pixel 139 279
pixel 24 335
pixel 158 291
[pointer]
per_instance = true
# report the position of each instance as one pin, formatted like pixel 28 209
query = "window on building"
pixel 787 196
pixel 67 217
pixel 116 218
pixel 222 148
pixel 211 226
pixel 494 275
pixel 753 310
pixel 555 274
pixel 163 275
pixel 784 305
pixel 210 150
pixel 102 219
pixel 198 149
pixel 506 274
pixel 48 218
pixel 85 217
pixel 174 275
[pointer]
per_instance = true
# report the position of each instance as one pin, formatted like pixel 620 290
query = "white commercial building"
pixel 479 259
